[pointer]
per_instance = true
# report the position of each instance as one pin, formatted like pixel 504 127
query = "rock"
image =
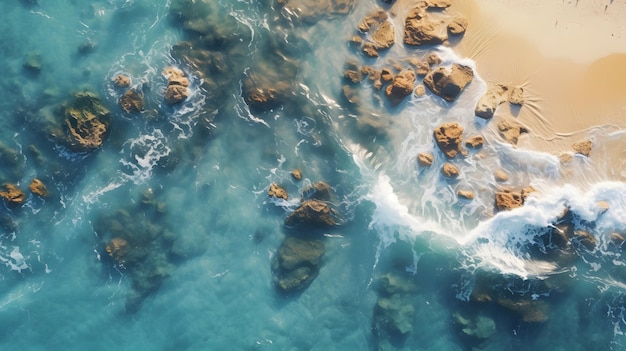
pixel 395 313
pixel 508 200
pixel 175 94
pixel 177 84
pixel 352 76
pixel 585 239
pixel 382 38
pixel 33 62
pixel 500 176
pixel 318 191
pixel 583 147
pixel 296 263
pixel 277 192
pixel 465 194
pixel 480 327
pixel 435 4
pixel 420 90
pixel 433 59
pixel 448 138
pixel 475 141
pixel 401 87
pixel 311 212
pixel 38 187
pixel 422 68
pixel 88 121
pixel 511 131
pixel 517 96
pixel 13 194
pixel 121 81
pixel 449 170
pixel 458 25
pixel 391 283
pixel 448 84
pixel 495 95
pixel 529 311
pixel 425 159
pixel 422 29
pixel 386 75
pixel 131 101
pixel 296 174
pixel 117 249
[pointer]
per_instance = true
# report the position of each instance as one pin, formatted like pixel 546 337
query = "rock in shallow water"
pixel 296 263
pixel 449 83
pixel 311 212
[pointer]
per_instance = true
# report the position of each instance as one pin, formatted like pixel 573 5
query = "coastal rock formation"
pixel 425 159
pixel 319 191
pixel 479 327
pixel 121 81
pixel 38 187
pixel 117 248
pixel 277 192
pixel 311 212
pixel 583 147
pixel 296 174
pixel 401 87
pixel 132 101
pixel 382 34
pixel 449 83
pixel 422 29
pixel 496 95
pixel 500 176
pixel 458 25
pixel 448 137
pixel 296 263
pixel 394 312
pixel 449 170
pixel 177 85
pixel 508 199
pixel 475 141
pixel 87 120
pixel 511 131
pixel 12 194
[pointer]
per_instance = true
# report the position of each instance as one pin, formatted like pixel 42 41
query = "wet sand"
pixel 569 56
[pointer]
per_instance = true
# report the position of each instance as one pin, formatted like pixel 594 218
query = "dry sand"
pixel 570 57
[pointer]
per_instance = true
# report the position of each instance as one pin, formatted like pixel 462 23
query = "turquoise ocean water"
pixel 407 266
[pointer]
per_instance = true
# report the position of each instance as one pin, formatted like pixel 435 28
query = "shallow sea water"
pixel 205 166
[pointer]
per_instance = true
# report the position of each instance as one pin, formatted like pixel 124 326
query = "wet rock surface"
pixel 87 122
pixel 448 137
pixel 296 263
pixel 449 83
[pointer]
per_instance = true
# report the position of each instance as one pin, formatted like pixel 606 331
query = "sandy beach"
pixel 569 56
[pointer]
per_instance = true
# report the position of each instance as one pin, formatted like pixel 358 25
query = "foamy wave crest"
pixel 144 153
pixel 13 259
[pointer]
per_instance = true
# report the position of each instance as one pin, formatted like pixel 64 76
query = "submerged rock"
pixel 121 81
pixel 132 101
pixel 87 120
pixel 511 131
pixel 529 311
pixel 382 35
pixel 296 174
pixel 448 84
pixel 508 200
pixel 480 327
pixel 395 314
pixel 296 263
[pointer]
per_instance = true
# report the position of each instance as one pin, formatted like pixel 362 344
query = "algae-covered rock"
pixel 88 121
pixel 296 263
pixel 395 314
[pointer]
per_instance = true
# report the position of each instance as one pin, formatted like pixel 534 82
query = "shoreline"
pixel 571 74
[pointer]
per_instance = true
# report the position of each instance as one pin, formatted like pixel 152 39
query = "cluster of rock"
pixel 394 313
pixel 297 262
pixel 132 99
pixel 177 85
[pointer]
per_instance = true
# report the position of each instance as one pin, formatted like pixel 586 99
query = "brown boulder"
pixel 425 159
pixel 458 25
pixel 495 95
pixel 382 38
pixel 448 84
pixel 420 90
pixel 121 81
pixel 13 194
pixel 422 29
pixel 583 147
pixel 448 137
pixel 131 101
pixel 87 121
pixel 511 131
pixel 449 170
pixel 177 84
pixel 508 200
pixel 586 239
pixel 296 174
pixel 117 249
pixel 402 86
pixel 277 192
pixel 465 194
pixel 311 212
pixel 38 187
pixel 517 96
pixel 175 94
pixel 475 141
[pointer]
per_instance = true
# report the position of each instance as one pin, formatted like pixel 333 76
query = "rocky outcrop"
pixel 458 25
pixel 425 159
pixel 296 263
pixel 448 137
pixel 449 170
pixel 296 174
pixel 311 212
pixel 382 35
pixel 277 191
pixel 121 81
pixel 529 311
pixel 132 101
pixel 87 120
pixel 449 83
pixel 177 85
pixel 318 191
pixel 38 187
pixel 508 199
pixel 12 194
pixel 511 131
pixel 117 249
pixel 475 141
pixel 496 95
pixel 583 147
pixel 422 29
pixel 401 87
